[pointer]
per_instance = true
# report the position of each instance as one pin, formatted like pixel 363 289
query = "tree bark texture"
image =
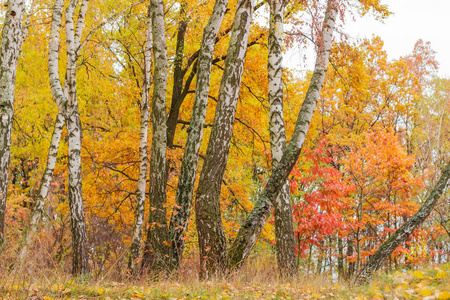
pixel 157 247
pixel 253 225
pixel 67 103
pixel 11 43
pixel 401 235
pixel 143 156
pixel 185 190
pixel 38 206
pixel 284 227
pixel 177 77
pixel 212 243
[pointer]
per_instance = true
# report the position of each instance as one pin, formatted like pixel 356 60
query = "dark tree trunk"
pixel 212 243
pixel 252 227
pixel 401 235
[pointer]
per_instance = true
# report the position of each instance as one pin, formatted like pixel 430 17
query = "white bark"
pixel 68 105
pixel 38 206
pixel 284 228
pixel 180 217
pixel 11 43
pixel 252 227
pixel 143 156
pixel 212 243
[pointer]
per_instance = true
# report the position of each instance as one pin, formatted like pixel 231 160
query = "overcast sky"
pixel 411 20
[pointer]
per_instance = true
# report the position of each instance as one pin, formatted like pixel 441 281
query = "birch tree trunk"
pixel 157 246
pixel 252 227
pixel 180 217
pixel 135 248
pixel 402 234
pixel 38 206
pixel 11 43
pixel 69 106
pixel 284 227
pixel 212 243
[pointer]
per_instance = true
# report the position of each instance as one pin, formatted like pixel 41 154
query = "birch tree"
pixel 284 227
pixel 143 158
pixel 157 246
pixel 401 235
pixel 39 201
pixel 212 243
pixel 11 43
pixel 253 225
pixel 67 103
pixel 180 216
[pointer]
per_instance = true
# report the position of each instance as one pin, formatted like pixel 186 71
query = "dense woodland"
pixel 136 136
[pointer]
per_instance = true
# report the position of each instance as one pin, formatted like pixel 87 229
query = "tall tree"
pixel 401 235
pixel 69 105
pixel 284 228
pixel 143 155
pixel 212 243
pixel 12 40
pixel 253 225
pixel 180 216
pixel 39 201
pixel 157 246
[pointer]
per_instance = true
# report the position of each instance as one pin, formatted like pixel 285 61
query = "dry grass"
pixel 258 279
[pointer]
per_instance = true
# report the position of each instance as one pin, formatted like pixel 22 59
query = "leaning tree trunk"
pixel 157 246
pixel 252 227
pixel 180 217
pixel 135 248
pixel 69 106
pixel 11 43
pixel 284 227
pixel 178 75
pixel 401 235
pixel 38 206
pixel 212 243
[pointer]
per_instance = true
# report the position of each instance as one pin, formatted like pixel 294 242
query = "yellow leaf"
pixel 100 291
pixel 441 274
pixel 418 274
pixel 55 287
pixel 426 292
pixel 316 296
pixel 48 298
pixel 444 295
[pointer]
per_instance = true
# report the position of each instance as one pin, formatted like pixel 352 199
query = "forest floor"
pixel 426 283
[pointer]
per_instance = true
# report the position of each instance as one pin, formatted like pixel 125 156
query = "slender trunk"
pixel 68 105
pixel 252 227
pixel 284 226
pixel 177 77
pixel 401 235
pixel 157 246
pixel 135 248
pixel 212 243
pixel 38 206
pixel 80 263
pixel 12 39
pixel 340 258
pixel 180 217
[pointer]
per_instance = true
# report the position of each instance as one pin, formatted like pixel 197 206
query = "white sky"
pixel 411 20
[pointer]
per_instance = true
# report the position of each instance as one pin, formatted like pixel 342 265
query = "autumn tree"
pixel 68 104
pixel 11 43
